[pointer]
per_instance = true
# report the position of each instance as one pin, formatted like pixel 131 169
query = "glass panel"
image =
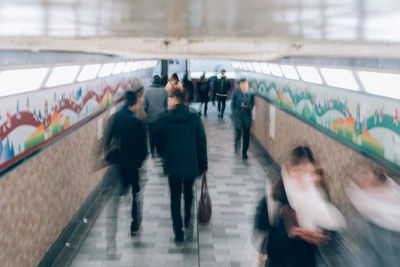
pixel 256 67
pixel 62 75
pixel 384 84
pixel 340 78
pixel 289 72
pixel 128 67
pixel 249 66
pixel 275 70
pixel 265 68
pixel 119 67
pixel 89 72
pixel 309 74
pixel 106 70
pixel 19 81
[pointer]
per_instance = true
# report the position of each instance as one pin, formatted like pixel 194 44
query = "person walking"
pixel 125 142
pixel 173 82
pixel 188 86
pixel 221 89
pixel 181 140
pixel 203 89
pixel 155 103
pixel 242 105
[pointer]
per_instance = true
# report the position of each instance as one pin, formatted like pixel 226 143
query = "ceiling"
pixel 204 28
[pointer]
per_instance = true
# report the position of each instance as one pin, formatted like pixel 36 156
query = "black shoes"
pixel 179 237
pixel 135 232
pixel 244 156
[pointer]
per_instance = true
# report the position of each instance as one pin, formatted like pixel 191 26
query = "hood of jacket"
pixel 180 113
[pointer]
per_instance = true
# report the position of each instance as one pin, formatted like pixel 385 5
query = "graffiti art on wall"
pixel 30 119
pixel 369 122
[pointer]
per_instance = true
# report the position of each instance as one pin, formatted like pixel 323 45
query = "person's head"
pixel 175 77
pixel 134 98
pixel 367 175
pixel 243 84
pixel 164 80
pixel 223 72
pixel 156 80
pixel 301 162
pixel 176 96
pixel 203 76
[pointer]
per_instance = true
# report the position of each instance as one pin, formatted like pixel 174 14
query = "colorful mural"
pixel 369 122
pixel 30 119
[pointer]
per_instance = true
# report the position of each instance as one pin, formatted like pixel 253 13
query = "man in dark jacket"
pixel 155 103
pixel 203 90
pixel 127 135
pixel 242 105
pixel 181 140
pixel 221 90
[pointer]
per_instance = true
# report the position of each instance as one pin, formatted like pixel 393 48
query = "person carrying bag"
pixel 204 211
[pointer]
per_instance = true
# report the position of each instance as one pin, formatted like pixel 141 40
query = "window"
pixel 265 68
pixel 289 72
pixel 19 81
pixel 256 67
pixel 128 67
pixel 119 67
pixel 340 78
pixel 249 66
pixel 275 70
pixel 106 70
pixel 89 72
pixel 62 75
pixel 384 84
pixel 309 74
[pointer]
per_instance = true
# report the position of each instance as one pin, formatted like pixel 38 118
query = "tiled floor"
pixel 235 187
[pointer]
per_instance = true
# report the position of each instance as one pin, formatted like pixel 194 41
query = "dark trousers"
pixel 205 106
pixel 151 141
pixel 131 177
pixel 246 139
pixel 221 104
pixel 175 187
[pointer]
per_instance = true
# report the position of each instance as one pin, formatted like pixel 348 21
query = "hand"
pixel 319 239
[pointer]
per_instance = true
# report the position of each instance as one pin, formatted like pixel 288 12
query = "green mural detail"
pixel 364 123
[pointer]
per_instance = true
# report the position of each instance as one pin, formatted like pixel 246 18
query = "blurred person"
pixel 125 142
pixel 242 104
pixel 305 216
pixel 155 103
pixel 173 82
pixel 203 90
pixel 181 140
pixel 221 89
pixel 188 85
pixel 164 80
pixel 376 197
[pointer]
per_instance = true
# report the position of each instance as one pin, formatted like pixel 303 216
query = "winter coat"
pixel 222 86
pixel 181 140
pixel 188 85
pixel 241 106
pixel 132 147
pixel 203 90
pixel 155 102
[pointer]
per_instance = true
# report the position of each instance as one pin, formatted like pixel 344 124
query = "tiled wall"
pixel 40 197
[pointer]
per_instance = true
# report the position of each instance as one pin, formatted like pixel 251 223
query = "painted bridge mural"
pixel 369 122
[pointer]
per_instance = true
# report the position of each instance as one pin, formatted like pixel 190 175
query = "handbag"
pixel 204 210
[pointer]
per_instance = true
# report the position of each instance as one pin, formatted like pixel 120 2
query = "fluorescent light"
pixel 249 66
pixel 106 70
pixel 340 78
pixel 384 84
pixel 128 67
pixel 62 75
pixel 309 74
pixel 290 72
pixel 230 75
pixel 235 64
pixel 265 68
pixel 89 72
pixel 19 81
pixel 275 70
pixel 119 67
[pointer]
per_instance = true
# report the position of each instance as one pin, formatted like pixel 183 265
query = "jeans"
pixel 246 139
pixel 175 186
pixel 205 107
pixel 132 178
pixel 221 104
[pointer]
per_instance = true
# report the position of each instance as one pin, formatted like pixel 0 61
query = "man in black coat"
pixel 241 105
pixel 221 90
pixel 181 140
pixel 127 135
